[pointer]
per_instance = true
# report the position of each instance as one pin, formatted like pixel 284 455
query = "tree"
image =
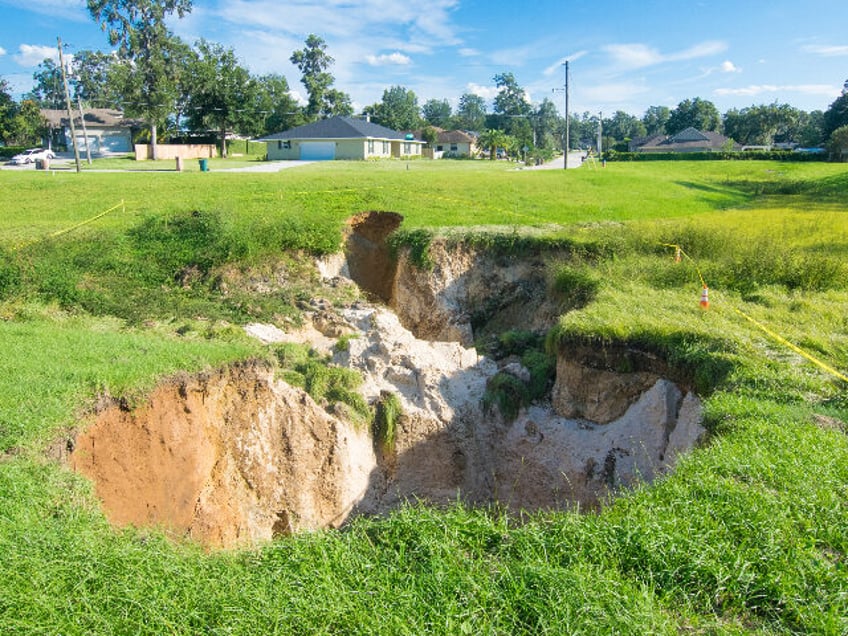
pixel 8 109
pixel 836 115
pixel 223 94
pixel 547 126
pixel 811 129
pixel 762 125
pixel 48 90
pixel 511 109
pixel 623 127
pixel 93 79
pixel 279 108
pixel 314 62
pixel 138 28
pixel 336 102
pixel 437 112
pixel 28 125
pixel 471 113
pixel 398 110
pixel 655 120
pixel 494 139
pixel 837 144
pixel 697 113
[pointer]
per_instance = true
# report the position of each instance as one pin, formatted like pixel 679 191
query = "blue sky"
pixel 624 55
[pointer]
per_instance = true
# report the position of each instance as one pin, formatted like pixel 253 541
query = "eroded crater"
pixel 238 456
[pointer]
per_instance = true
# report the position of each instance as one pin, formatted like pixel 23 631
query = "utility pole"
pixel 600 133
pixel 68 104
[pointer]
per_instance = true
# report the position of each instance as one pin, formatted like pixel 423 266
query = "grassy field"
pixel 750 535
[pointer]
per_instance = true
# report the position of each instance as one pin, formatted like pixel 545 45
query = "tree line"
pixel 175 88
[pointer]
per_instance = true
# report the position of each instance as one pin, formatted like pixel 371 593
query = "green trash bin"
pixel 204 165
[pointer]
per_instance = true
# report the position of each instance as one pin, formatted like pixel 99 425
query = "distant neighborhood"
pixel 200 97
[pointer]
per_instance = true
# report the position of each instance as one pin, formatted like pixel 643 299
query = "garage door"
pixel 317 150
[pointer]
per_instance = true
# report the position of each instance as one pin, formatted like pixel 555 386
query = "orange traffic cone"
pixel 705 298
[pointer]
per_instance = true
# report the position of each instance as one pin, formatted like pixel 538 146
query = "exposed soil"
pixel 238 456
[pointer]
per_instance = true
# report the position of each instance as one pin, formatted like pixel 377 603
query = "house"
pixel 688 140
pixel 106 131
pixel 451 143
pixel 341 138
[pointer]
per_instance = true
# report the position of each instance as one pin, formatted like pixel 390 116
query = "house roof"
pixel 688 139
pixel 337 128
pixel 94 117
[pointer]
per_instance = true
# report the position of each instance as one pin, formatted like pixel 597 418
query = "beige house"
pixel 341 138
pixel 106 131
pixel 455 143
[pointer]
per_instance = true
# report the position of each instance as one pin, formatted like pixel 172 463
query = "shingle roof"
pixel 688 139
pixel 337 128
pixel 94 117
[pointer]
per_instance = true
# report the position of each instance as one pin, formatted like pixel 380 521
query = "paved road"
pixel 575 160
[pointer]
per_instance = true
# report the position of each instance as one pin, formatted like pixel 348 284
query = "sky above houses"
pixel 623 55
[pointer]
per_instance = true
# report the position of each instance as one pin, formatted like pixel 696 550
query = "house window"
pixel 439 148
pixel 407 149
pixel 283 144
pixel 385 147
pixel 454 148
pixel 370 146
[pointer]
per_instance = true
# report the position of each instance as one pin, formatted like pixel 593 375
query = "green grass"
pixel 749 535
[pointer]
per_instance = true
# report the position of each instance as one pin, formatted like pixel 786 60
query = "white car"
pixel 29 156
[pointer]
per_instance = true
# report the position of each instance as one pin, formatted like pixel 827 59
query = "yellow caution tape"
pixel 74 227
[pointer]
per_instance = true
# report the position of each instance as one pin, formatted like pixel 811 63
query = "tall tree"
pixel 437 112
pixel 512 109
pixel 93 79
pixel 471 112
pixel 279 108
pixel 547 126
pixel 398 110
pixel 8 109
pixel 223 94
pixel 696 113
pixel 138 28
pixel 48 90
pixel 28 125
pixel 762 125
pixel 836 114
pixel 655 119
pixel 336 102
pixel 623 126
pixel 314 62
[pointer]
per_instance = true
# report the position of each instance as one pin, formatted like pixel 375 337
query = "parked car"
pixel 29 156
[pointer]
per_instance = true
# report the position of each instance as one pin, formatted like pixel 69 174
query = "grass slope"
pixel 750 535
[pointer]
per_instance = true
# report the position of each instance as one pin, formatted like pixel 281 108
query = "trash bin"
pixel 204 165
pixel 39 164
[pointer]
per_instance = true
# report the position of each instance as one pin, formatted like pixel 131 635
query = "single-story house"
pixel 107 131
pixel 341 138
pixel 452 143
pixel 688 140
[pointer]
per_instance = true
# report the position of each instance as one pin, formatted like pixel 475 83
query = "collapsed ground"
pixel 241 456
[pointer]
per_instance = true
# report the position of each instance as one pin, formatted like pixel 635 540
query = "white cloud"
pixel 758 89
pixel 729 67
pixel 396 58
pixel 2 51
pixel 630 56
pixel 67 9
pixel 31 55
pixel 826 50
pixel 486 92
pixel 466 52
pixel 615 93
pixel 556 67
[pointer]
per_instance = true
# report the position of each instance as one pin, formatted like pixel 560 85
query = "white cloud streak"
pixel 826 50
pixel 758 89
pixel 632 56
pixel 390 59
pixel 31 55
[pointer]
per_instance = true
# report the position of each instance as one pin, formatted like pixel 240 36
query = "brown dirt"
pixel 369 259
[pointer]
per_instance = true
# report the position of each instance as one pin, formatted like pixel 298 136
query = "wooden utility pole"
pixel 84 132
pixel 567 131
pixel 68 104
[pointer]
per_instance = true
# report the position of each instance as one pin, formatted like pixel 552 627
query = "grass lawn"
pixel 750 535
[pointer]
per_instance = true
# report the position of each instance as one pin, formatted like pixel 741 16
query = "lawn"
pixel 750 535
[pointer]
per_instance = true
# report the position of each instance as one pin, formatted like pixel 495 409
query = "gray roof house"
pixel 107 131
pixel 688 140
pixel 341 138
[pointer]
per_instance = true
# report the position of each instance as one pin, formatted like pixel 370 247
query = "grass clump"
pixel 387 415
pixel 333 387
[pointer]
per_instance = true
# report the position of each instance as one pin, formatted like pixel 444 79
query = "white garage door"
pixel 317 150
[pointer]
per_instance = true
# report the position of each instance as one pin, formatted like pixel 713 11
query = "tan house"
pixel 455 143
pixel 106 131
pixel 341 138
